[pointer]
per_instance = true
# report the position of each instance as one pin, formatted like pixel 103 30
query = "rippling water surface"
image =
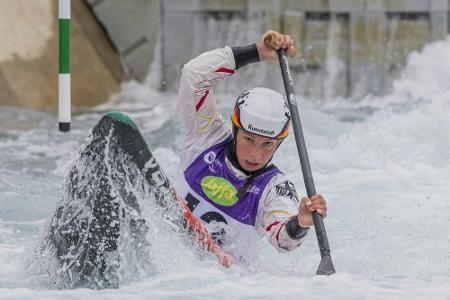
pixel 383 164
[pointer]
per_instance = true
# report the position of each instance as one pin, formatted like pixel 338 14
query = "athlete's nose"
pixel 255 154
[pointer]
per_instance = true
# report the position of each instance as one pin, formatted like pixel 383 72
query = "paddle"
pixel 326 266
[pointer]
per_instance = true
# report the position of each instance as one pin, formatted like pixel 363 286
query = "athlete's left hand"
pixel 280 40
pixel 307 206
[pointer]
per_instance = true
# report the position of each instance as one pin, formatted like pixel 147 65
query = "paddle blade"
pixel 326 266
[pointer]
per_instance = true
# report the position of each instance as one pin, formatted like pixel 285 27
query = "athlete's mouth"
pixel 252 164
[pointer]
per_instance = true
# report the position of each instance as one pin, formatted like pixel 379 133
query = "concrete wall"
pixel 346 47
pixel 134 29
pixel 359 46
pixel 29 58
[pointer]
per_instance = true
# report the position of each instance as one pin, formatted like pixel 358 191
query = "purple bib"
pixel 211 179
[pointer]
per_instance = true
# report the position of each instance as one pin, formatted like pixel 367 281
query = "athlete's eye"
pixel 248 139
pixel 268 144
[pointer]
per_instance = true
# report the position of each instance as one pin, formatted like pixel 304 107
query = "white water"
pixel 383 164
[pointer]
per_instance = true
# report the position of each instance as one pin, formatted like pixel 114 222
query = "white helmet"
pixel 262 111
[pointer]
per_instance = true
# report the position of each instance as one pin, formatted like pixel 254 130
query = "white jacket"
pixel 205 127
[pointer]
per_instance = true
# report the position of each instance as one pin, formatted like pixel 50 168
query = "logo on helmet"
pixel 260 131
pixel 242 97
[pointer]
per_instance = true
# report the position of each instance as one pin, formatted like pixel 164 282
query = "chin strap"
pixel 232 157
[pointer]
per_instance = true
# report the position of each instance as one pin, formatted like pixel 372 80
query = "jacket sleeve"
pixel 197 107
pixel 278 206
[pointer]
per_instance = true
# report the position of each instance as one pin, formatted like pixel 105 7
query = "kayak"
pixel 97 207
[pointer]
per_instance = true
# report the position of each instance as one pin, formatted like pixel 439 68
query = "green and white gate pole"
pixel 64 66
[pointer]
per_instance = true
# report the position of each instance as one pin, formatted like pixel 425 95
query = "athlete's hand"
pixel 307 206
pixel 277 40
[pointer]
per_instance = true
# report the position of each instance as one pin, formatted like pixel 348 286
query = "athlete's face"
pixel 253 151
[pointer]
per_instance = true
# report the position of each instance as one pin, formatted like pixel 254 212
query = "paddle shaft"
pixel 304 159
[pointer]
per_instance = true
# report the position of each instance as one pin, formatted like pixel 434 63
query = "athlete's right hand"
pixel 307 206
pixel 278 40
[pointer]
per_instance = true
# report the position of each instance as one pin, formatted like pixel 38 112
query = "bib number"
pixel 208 217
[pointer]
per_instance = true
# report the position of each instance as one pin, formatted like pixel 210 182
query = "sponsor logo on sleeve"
pixel 286 189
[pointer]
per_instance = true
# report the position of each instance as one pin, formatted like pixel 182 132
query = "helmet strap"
pixel 231 154
pixel 282 140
